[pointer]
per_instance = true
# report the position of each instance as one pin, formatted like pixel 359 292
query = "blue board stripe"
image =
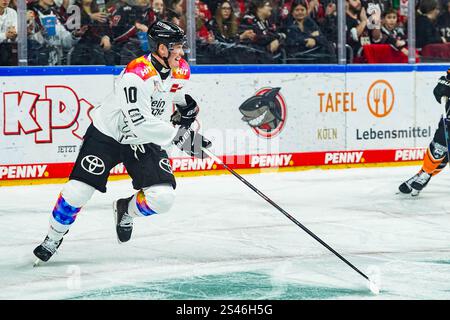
pixel 229 69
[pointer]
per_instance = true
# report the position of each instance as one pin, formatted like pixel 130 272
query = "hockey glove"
pixel 442 89
pixel 185 115
pixel 191 142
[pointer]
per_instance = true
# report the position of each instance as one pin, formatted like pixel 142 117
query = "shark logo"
pixel 265 112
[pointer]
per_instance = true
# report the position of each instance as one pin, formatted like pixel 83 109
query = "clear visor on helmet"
pixel 176 47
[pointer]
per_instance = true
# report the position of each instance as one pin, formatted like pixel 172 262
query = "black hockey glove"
pixel 185 115
pixel 191 142
pixel 442 89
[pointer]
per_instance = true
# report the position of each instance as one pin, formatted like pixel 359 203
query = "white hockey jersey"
pixel 138 110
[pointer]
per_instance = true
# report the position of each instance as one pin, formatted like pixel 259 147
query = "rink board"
pixel 321 116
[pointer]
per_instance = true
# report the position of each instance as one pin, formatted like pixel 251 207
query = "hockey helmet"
pixel 167 33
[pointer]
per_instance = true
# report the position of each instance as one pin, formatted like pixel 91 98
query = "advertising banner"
pixel 272 120
pixel 387 112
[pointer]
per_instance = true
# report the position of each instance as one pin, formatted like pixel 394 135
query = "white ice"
pixel 219 226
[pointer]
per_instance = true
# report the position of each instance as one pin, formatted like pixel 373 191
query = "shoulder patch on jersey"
pixel 142 67
pixel 183 71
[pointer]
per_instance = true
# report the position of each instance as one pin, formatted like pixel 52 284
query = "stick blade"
pixel 36 262
pixel 373 287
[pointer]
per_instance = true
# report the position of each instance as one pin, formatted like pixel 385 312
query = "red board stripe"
pixel 323 158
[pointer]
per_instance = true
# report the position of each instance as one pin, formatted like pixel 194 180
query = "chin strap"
pixel 165 59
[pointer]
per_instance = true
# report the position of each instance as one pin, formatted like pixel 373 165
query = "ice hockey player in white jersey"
pixel 134 125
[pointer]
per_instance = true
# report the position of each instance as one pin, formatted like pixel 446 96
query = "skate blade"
pixel 403 194
pixel 415 193
pixel 115 220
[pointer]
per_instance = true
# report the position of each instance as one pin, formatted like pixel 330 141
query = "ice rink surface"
pixel 222 241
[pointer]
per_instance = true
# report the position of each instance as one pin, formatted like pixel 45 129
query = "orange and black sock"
pixel 431 165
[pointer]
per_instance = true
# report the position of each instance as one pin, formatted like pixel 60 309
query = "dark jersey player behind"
pixel 134 125
pixel 436 157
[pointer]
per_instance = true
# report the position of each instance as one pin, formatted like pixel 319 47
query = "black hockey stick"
pixel 372 286
pixel 446 102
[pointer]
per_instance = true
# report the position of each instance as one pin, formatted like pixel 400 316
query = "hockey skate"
pixel 46 250
pixel 415 184
pixel 124 222
pixel 420 183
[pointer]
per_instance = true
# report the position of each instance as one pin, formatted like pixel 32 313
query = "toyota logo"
pixel 165 165
pixel 93 164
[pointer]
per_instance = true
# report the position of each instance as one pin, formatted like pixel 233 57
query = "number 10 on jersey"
pixel 131 94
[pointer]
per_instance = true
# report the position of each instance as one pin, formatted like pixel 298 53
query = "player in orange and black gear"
pixel 436 157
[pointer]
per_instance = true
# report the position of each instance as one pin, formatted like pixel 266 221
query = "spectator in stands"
pixel 224 25
pixel 61 3
pixel 315 9
pixel 202 17
pixel 175 12
pixel 114 5
pixel 283 8
pixel 328 24
pixel 304 40
pixel 175 5
pixel 382 4
pixel 8 34
pixel 226 47
pixel 8 22
pixel 239 8
pixel 267 38
pixel 48 41
pixel 203 10
pixel 443 22
pixel 60 6
pixel 95 43
pixel 174 17
pixel 13 4
pixel 158 9
pixel 374 10
pixel 426 30
pixel 100 15
pixel 130 24
pixel 392 33
pixel 358 34
pixel 281 15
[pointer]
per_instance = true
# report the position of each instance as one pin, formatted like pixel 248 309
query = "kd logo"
pixel 380 98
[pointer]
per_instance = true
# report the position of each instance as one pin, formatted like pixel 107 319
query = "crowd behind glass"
pixel 92 32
